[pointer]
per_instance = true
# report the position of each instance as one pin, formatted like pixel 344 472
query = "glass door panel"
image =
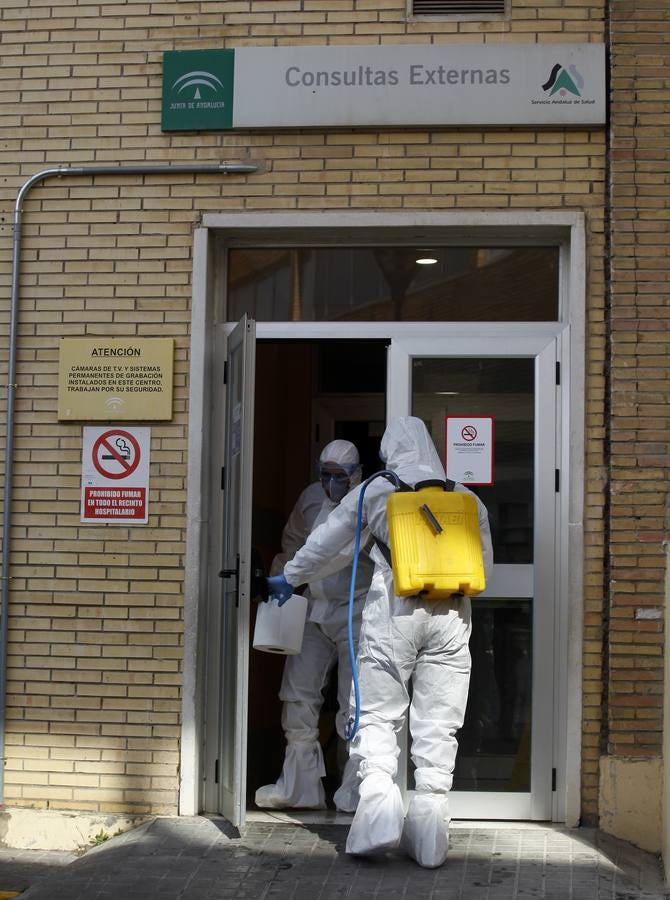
pixel 494 743
pixel 504 389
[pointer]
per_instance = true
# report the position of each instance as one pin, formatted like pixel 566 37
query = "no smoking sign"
pixel 468 449
pixel 115 475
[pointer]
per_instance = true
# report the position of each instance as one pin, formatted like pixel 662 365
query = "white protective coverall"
pixel 401 638
pixel 325 643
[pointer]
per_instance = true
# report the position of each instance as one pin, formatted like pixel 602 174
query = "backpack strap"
pixel 385 551
pixel 447 485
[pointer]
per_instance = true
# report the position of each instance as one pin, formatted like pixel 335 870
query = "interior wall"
pixel 282 432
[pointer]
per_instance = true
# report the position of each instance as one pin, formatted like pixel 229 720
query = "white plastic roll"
pixel 279 629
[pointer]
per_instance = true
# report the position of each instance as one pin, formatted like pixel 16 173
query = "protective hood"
pixel 408 450
pixel 345 455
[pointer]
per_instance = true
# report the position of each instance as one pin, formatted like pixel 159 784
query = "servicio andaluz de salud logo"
pixel 563 82
pixel 564 85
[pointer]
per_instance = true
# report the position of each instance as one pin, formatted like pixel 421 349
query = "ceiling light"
pixel 426 257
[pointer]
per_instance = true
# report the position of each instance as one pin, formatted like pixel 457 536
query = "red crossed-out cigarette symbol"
pixel 116 454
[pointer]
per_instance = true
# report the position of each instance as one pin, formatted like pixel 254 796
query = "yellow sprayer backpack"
pixel 435 547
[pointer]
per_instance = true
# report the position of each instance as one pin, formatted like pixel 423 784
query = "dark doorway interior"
pixel 307 394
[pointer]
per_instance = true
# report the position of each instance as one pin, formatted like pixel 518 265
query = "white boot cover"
pixel 346 796
pixel 299 786
pixel 425 836
pixel 378 822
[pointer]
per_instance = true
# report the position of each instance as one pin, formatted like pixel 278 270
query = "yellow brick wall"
pixel 639 390
pixel 96 612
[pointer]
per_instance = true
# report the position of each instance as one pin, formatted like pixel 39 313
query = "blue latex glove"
pixel 279 589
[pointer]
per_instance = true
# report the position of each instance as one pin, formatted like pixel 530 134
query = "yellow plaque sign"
pixel 115 378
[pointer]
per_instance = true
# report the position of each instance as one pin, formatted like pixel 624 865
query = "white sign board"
pixel 469 449
pixel 385 85
pixel 115 475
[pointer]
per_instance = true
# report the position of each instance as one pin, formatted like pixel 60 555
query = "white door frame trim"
pixel 197 514
pixel 505 228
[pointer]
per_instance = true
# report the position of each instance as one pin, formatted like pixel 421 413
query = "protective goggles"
pixel 337 476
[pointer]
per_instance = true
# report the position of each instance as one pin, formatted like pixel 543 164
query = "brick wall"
pixel 639 392
pixel 96 613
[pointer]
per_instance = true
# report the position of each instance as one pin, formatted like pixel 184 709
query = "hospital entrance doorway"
pixel 303 340
pixel 309 392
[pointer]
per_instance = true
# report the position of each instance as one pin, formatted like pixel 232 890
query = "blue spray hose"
pixel 352 725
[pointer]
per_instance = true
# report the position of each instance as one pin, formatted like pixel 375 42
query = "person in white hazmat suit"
pixel 401 639
pixel 325 643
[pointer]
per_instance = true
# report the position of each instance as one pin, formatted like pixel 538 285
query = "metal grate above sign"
pixel 458 7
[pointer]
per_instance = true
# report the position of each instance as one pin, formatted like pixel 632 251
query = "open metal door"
pixel 235 571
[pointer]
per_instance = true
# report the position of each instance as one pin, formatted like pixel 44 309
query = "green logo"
pixel 564 82
pixel 198 90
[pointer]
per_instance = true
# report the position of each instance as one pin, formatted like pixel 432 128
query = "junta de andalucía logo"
pixel 198 89
pixel 189 85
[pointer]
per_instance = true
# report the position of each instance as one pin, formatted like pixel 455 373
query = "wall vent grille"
pixel 458 7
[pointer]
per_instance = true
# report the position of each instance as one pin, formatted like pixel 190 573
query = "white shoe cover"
pixel 378 822
pixel 299 786
pixel 346 796
pixel 425 836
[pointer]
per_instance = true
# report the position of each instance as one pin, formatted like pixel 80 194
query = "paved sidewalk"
pixel 202 858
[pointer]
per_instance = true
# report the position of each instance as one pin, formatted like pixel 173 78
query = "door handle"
pixel 230 573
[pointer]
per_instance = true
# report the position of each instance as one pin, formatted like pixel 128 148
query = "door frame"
pixel 565 229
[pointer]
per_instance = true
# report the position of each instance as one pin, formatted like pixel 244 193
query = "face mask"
pixel 335 486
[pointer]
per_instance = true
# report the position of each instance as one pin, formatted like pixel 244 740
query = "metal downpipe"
pixel 59 171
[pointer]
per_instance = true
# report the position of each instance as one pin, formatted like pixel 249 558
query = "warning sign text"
pixel 117 503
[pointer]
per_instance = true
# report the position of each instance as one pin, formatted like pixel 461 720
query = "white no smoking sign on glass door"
pixel 469 449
